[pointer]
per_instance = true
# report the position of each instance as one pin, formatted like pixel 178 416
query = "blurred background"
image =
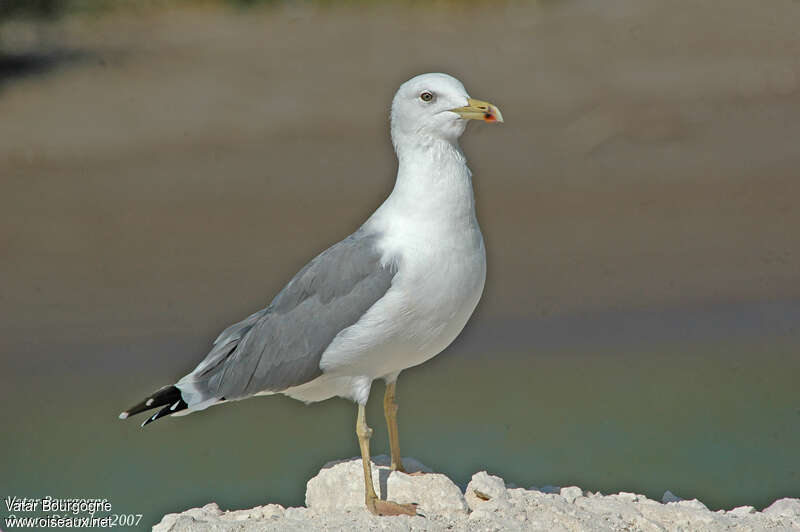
pixel 167 166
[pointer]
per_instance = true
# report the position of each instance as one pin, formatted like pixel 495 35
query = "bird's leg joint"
pixel 364 432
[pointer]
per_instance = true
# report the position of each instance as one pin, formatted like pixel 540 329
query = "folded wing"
pixel 281 345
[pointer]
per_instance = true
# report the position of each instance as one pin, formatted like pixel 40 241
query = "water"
pixel 718 420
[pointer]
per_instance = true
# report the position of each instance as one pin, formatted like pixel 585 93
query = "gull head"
pixel 436 106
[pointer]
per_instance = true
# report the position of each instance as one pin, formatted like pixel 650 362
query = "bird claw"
pixel 380 507
pixel 401 469
pixel 414 474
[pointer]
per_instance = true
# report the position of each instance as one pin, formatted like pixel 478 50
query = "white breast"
pixel 441 283
pixel 434 293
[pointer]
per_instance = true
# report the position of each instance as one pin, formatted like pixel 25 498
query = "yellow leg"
pixel 390 411
pixel 374 504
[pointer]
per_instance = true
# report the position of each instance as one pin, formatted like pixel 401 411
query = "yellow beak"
pixel 479 110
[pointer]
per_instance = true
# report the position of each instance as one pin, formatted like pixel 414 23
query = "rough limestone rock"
pixel 335 501
pixel 571 493
pixel 784 507
pixel 340 486
pixel 484 487
pixel 211 517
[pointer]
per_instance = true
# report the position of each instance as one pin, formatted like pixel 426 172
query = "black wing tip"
pixel 168 397
pixel 168 410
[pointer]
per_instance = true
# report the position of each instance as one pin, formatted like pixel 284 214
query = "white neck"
pixel 434 185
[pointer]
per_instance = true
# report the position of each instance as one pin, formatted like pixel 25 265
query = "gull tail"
pixel 168 397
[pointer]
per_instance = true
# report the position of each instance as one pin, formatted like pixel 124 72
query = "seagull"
pixel 390 296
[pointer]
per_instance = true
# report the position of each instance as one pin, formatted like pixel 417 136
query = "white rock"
pixel 296 513
pixel 550 489
pixel 336 502
pixel 741 510
pixel 340 486
pixel 167 523
pixel 498 513
pixel 571 493
pixel 480 514
pixel 197 513
pixel 212 508
pixel 694 504
pixel 484 487
pixel 270 511
pixel 241 515
pixel 783 507
pixel 670 497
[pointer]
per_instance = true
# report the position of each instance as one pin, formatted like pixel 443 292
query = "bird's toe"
pixel 379 507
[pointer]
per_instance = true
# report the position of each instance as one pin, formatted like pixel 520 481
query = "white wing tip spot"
pixel 123 415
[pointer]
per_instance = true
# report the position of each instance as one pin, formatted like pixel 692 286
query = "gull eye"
pixel 426 96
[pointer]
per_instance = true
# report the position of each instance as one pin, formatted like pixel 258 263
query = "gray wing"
pixel 281 345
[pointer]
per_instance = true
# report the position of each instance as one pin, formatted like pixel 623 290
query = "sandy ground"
pixel 649 157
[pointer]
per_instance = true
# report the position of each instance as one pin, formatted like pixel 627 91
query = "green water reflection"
pixel 721 423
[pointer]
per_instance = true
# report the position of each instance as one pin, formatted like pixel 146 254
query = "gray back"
pixel 281 345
